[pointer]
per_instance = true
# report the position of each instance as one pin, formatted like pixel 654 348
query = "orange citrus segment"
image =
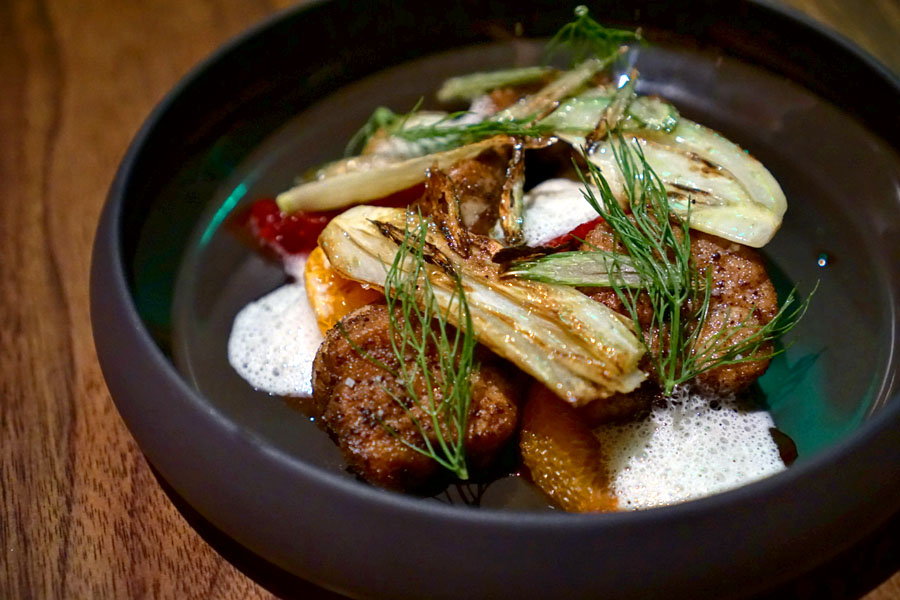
pixel 563 455
pixel 330 295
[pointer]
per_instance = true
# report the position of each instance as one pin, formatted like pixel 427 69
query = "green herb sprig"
pixel 584 38
pixel 382 118
pixel 444 134
pixel 660 256
pixel 420 334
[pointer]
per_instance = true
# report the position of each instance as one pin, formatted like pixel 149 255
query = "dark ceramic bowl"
pixel 168 277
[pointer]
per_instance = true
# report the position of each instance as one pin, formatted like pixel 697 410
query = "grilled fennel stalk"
pixel 731 194
pixel 578 348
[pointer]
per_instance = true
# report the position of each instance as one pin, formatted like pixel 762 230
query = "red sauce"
pixel 286 234
pixel 298 232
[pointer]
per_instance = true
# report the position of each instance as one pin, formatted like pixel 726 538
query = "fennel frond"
pixel 435 361
pixel 381 118
pixel 584 38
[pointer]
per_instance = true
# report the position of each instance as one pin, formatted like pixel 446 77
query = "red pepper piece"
pixel 578 233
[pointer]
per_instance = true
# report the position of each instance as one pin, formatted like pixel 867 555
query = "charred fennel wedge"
pixel 578 348
pixel 353 187
pixel 732 195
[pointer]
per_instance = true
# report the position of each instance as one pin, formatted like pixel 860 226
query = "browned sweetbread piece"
pixel 742 294
pixel 356 402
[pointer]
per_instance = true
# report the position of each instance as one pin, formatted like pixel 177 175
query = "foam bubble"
pixel 688 449
pixel 274 340
pixel 554 208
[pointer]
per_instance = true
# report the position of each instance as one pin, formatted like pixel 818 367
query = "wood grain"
pixel 83 515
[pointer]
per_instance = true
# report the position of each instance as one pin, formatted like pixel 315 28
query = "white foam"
pixel 554 208
pixel 274 340
pixel 688 450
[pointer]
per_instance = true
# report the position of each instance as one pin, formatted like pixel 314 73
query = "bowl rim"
pixel 109 237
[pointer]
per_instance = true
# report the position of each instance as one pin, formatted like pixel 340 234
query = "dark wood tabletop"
pixel 82 514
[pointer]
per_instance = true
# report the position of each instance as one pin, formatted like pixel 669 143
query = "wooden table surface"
pixel 83 515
